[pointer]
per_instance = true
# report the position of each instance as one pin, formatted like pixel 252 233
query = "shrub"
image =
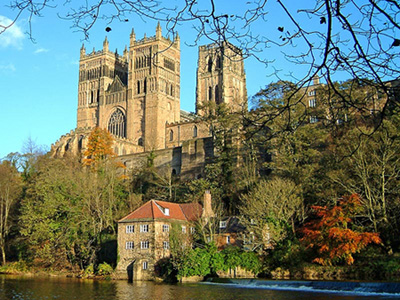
pixel 104 269
pixel 89 270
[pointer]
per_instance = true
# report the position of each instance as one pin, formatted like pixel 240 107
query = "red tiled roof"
pixel 155 209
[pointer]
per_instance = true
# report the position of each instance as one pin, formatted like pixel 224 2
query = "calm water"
pixel 26 288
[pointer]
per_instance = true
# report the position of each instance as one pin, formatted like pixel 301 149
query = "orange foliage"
pixel 330 236
pixel 99 147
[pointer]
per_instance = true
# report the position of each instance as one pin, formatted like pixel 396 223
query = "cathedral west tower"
pixel 153 88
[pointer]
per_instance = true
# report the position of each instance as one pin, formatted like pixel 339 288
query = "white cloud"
pixel 7 67
pixel 12 36
pixel 41 50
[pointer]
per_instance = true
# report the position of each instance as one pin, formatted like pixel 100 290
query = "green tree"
pixel 10 193
pixel 370 168
pixel 269 209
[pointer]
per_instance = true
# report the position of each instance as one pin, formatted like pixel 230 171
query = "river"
pixel 46 288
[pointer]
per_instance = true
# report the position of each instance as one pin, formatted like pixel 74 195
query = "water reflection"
pixel 35 288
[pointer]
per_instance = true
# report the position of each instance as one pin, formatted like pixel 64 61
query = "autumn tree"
pixel 10 193
pixel 330 233
pixel 99 148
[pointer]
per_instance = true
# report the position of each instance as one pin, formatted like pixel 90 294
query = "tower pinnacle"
pixel 158 31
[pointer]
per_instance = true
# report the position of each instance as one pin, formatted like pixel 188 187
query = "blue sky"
pixel 39 79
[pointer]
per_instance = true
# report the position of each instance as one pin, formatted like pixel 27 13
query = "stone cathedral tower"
pixel 136 97
pixel 153 88
pixel 220 77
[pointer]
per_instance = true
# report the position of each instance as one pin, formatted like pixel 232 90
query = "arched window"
pixel 80 142
pixel 140 142
pixel 210 93
pixel 216 94
pixel 195 131
pixel 210 63
pixel 219 62
pixel 171 135
pixel 116 125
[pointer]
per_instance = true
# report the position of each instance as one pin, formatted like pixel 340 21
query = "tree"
pixel 329 234
pixel 269 209
pixel 10 192
pixel 370 168
pixel 69 211
pixel 99 148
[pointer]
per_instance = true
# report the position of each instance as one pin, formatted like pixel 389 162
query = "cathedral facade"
pixel 136 96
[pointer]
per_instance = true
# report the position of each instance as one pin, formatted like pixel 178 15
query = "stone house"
pixel 143 235
pixel 230 232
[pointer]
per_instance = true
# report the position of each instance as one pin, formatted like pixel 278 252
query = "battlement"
pixel 99 53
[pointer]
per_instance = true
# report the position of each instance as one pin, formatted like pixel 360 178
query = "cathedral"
pixel 136 96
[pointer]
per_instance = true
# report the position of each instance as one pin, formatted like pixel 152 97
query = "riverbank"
pixel 367 270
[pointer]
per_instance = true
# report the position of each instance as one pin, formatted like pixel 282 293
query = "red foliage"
pixel 330 236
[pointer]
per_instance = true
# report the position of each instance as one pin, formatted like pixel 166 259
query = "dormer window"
pixel 166 211
pixel 222 224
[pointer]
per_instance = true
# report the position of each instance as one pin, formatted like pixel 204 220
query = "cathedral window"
pixel 138 86
pixel 210 93
pixel 80 142
pixel 145 86
pixel 216 94
pixel 195 131
pixel 210 63
pixel 219 62
pixel 116 125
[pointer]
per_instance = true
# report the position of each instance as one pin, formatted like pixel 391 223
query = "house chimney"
pixel 207 207
pixel 315 80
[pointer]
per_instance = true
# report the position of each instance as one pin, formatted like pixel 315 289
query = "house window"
pixel 144 228
pixel 192 230
pixel 183 229
pixel 313 119
pixel 165 228
pixel 228 239
pixel 311 93
pixel 130 229
pixel 165 245
pixel 312 103
pixel 145 265
pixel 144 245
pixel 129 245
pixel 222 224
